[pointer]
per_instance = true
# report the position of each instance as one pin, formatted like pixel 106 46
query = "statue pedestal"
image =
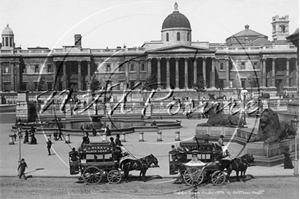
pixel 270 154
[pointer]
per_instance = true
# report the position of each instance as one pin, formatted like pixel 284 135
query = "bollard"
pixel 177 137
pixel 11 139
pixel 123 138
pixel 141 137
pixel 104 137
pixel 159 136
pixel 67 137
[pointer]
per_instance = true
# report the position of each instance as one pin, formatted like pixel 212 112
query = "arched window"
pixel 178 36
pixel 188 36
pixel 167 37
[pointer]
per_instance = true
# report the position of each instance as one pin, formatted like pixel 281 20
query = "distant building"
pixel 246 59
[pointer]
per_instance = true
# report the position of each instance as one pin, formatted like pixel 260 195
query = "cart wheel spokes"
pixel 114 176
pixel 218 178
pixel 92 175
pixel 193 176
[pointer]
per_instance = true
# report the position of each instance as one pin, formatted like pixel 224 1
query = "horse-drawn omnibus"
pixel 196 161
pixel 93 161
pixel 97 159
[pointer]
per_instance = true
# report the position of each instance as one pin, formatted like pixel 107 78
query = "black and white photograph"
pixel 149 99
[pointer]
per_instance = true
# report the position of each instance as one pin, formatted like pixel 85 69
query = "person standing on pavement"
pixel 118 141
pixel 49 144
pixel 107 131
pixel 21 169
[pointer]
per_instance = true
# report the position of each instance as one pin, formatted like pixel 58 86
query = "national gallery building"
pixel 245 59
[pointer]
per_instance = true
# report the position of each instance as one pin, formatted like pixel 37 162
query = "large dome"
pixel 176 20
pixel 7 31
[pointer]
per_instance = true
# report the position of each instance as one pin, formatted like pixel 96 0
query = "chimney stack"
pixel 78 40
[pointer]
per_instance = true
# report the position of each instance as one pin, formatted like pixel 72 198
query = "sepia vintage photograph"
pixel 149 99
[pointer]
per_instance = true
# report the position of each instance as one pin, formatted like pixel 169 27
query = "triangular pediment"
pixel 180 48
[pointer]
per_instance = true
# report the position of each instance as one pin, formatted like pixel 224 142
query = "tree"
pixel 150 83
pixel 95 85
pixel 253 81
pixel 41 84
pixel 199 86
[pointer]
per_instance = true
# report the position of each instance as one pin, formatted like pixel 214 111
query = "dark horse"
pixel 238 164
pixel 141 165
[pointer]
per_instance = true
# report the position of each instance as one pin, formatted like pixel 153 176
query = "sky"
pixel 112 23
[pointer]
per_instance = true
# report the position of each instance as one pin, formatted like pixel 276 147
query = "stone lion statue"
pixel 219 118
pixel 271 129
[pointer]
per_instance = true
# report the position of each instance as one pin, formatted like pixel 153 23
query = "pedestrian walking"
pixel 49 144
pixel 21 169
pixel 26 137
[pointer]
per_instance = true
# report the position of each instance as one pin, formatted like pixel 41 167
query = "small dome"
pixel 7 31
pixel 176 20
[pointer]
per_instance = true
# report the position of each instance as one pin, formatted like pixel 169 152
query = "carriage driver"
pixel 222 146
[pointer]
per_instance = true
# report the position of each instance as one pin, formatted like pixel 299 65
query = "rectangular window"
pixel 108 68
pixel 255 65
pixel 36 68
pixel 221 66
pixel 121 68
pixel 243 82
pixel 6 69
pixel 143 67
pixel 131 67
pixel 49 85
pixel 35 85
pixel 243 65
pixel 131 84
pixel 49 68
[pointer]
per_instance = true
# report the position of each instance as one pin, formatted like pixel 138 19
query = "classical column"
pixel 195 71
pixel 12 76
pixel 17 66
pixel 168 71
pixel 88 73
pixel 227 83
pixel 204 71
pixel 263 76
pixel 158 73
pixel 177 73
pixel 149 67
pixel 79 88
pixel 138 71
pixel 186 72
pixel 127 67
pixel 287 83
pixel 213 78
pixel 55 81
pixel 64 75
pixel 273 72
pixel 1 88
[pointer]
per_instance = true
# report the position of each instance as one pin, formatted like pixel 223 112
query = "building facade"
pixel 246 59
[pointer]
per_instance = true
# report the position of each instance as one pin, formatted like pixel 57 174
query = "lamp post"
pixel 295 123
pixel 244 107
pixel 19 129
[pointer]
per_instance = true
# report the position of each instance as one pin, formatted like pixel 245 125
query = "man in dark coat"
pixel 86 139
pixel 287 159
pixel 49 144
pixel 21 169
